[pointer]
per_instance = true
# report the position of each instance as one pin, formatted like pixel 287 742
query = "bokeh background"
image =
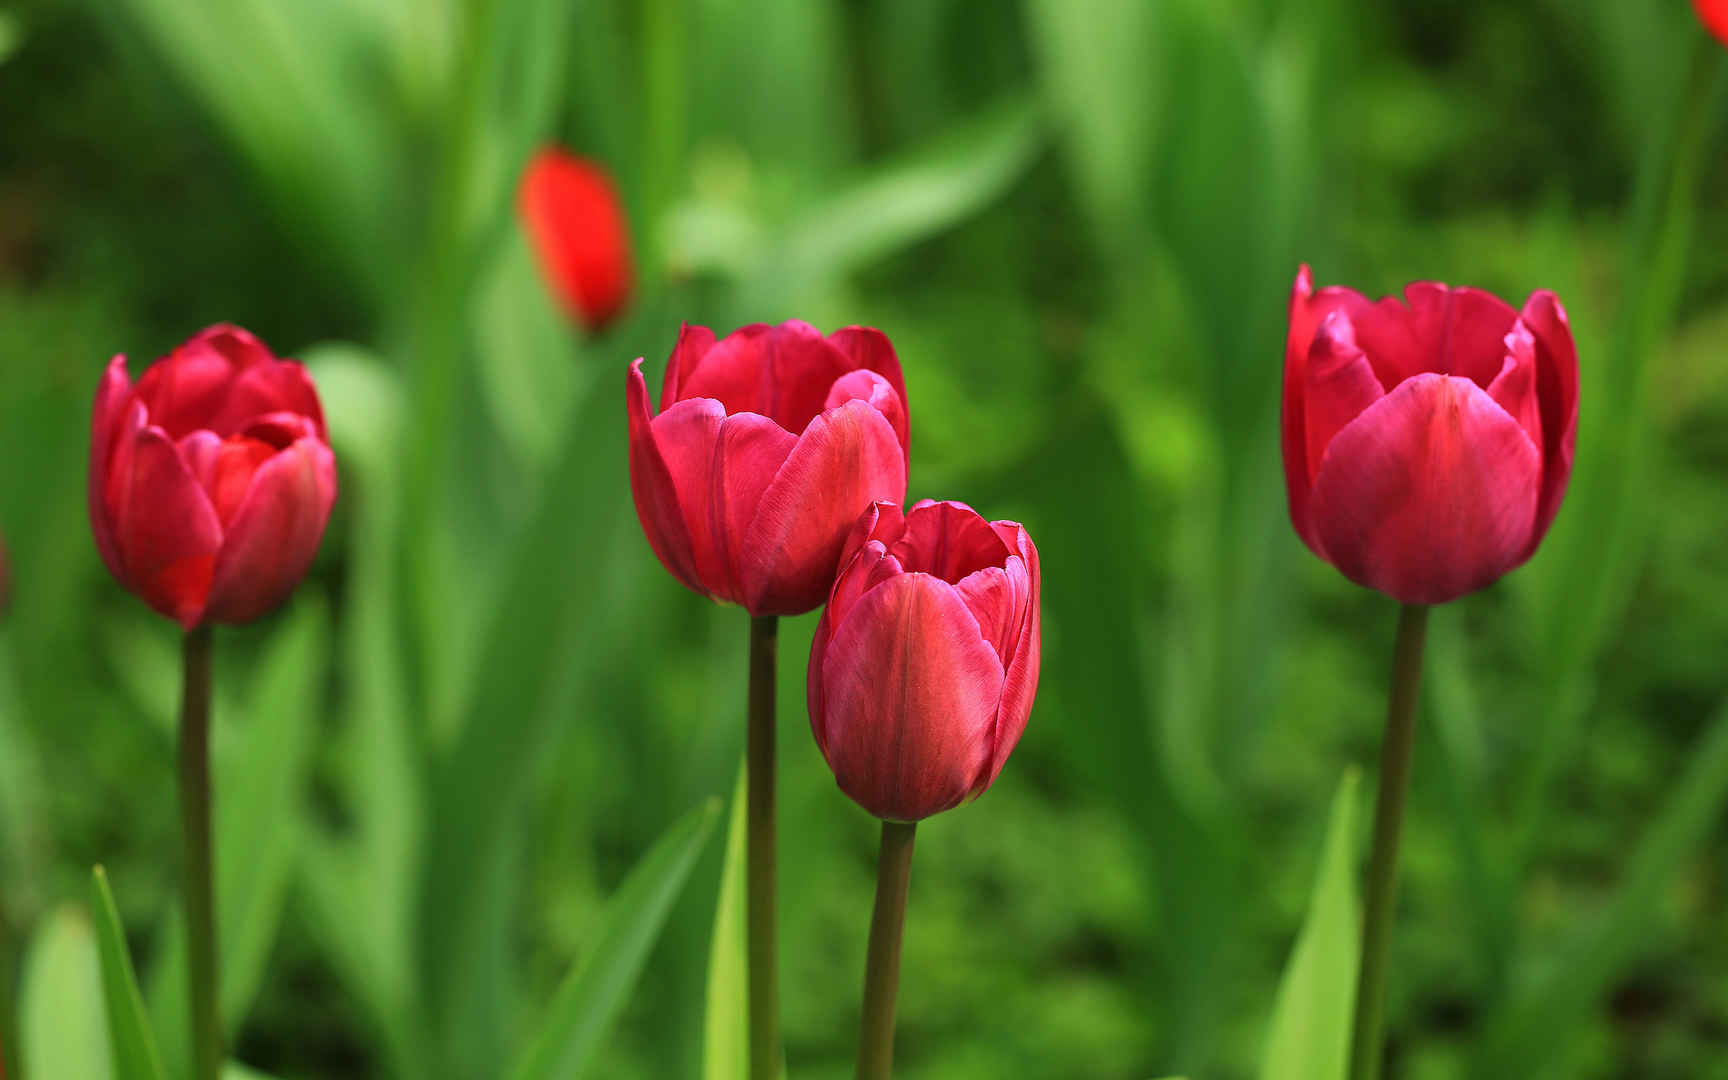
pixel 1078 222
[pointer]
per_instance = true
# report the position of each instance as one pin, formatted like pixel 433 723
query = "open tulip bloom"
pixel 1427 447
pixel 211 480
pixel 768 445
pixel 922 675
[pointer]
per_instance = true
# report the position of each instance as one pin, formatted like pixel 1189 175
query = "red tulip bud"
pixel 769 444
pixel 926 659
pixel 211 479
pixel 578 230
pixel 1427 443
pixel 1714 13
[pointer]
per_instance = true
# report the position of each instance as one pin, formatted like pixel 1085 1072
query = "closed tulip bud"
pixel 1714 14
pixel 578 230
pixel 926 659
pixel 211 479
pixel 768 445
pixel 1427 443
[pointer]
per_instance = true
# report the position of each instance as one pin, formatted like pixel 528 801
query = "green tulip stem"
pixel 200 898
pixel 1395 749
pixel 760 852
pixel 882 967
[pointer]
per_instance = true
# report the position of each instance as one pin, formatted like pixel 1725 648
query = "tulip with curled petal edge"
pixel 768 444
pixel 1428 441
pixel 1427 446
pixel 922 675
pixel 211 481
pixel 211 478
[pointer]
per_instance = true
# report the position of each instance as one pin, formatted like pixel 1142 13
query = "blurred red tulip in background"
pixel 577 225
pixel 925 662
pixel 1715 16
pixel 1428 442
pixel 769 444
pixel 211 479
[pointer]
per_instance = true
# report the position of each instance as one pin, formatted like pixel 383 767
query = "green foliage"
pixel 133 1048
pixel 1078 222
pixel 1309 1036
pixel 590 1000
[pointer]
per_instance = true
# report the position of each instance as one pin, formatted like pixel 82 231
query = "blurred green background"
pixel 1078 222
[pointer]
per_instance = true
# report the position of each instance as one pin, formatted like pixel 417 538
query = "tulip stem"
pixel 1395 750
pixel 760 852
pixel 200 898
pixel 882 967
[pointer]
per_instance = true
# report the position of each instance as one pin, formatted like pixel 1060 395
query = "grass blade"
pixel 726 1027
pixel 1535 1022
pixel 1309 1036
pixel 134 1050
pixel 594 994
pixel 63 1036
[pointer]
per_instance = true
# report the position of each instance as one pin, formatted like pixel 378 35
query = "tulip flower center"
pixel 948 542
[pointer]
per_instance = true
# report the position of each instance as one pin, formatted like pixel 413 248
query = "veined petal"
pixel 867 386
pixel 1438 329
pixel 275 531
pixel 1025 659
pixel 113 394
pixel 1340 386
pixel 782 372
pixel 912 691
pixel 168 534
pixel 1557 394
pixel 1429 494
pixel 651 486
pixel 868 348
pixel 693 344
pixel 845 460
pixel 1514 389
pixel 948 539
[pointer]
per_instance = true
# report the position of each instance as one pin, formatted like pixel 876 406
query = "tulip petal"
pixel 781 372
pixel 990 597
pixel 1340 386
pixel 1514 389
pixel 693 344
pixel 857 576
pixel 1436 329
pixel 168 532
pixel 1428 495
pixel 183 391
pixel 1024 661
pixel 651 485
pixel 279 387
pixel 949 540
pixel 845 460
pixel 112 398
pixel 1308 310
pixel 868 386
pixel 868 348
pixel 577 227
pixel 1557 392
pixel 912 691
pixel 274 534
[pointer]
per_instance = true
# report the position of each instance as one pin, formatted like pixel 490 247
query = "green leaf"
pixel 594 994
pixel 1099 67
pixel 726 1026
pixel 1533 1024
pixel 1309 1037
pixel 63 1035
pixel 907 201
pixel 360 885
pixel 262 764
pixel 129 1038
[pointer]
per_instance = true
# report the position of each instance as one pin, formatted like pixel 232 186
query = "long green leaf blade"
pixel 1310 1031
pixel 726 1023
pixel 593 995
pixel 63 1035
pixel 134 1049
